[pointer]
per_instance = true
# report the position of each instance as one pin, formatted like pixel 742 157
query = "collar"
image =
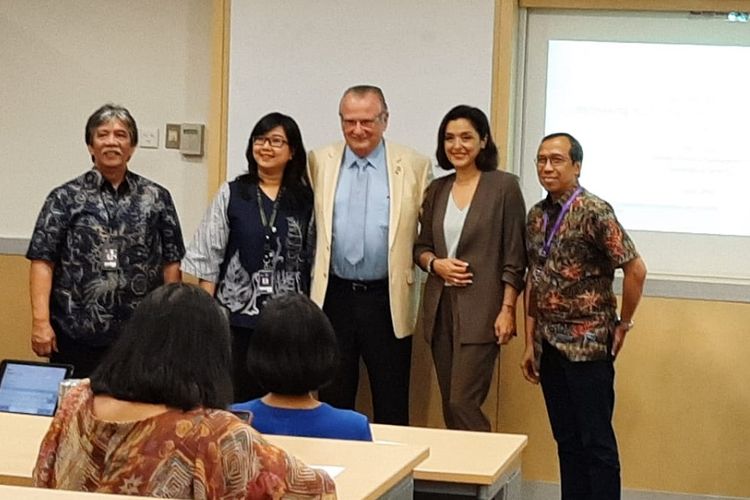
pixel 376 156
pixel 95 179
pixel 549 202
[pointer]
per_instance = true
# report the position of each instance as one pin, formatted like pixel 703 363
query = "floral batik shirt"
pixel 201 454
pixel 572 297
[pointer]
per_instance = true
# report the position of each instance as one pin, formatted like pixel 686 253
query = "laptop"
pixel 31 387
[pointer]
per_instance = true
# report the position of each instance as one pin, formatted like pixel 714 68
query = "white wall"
pixel 60 60
pixel 298 57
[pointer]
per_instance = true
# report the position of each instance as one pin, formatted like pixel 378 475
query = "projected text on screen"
pixel 664 128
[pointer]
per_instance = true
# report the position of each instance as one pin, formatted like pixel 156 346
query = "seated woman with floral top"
pixel 149 421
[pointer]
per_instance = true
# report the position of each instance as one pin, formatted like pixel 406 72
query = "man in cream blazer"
pixel 368 193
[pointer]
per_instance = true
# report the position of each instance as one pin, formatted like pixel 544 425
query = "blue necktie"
pixel 355 243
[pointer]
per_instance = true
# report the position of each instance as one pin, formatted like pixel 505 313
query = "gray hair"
pixel 107 113
pixel 361 90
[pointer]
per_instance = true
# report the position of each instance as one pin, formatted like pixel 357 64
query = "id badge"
pixel 537 274
pixel 265 282
pixel 109 257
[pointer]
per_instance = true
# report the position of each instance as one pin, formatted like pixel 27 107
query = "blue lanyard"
pixel 544 252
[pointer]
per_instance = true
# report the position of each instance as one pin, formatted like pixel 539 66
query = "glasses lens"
pixel 555 161
pixel 370 123
pixel 275 142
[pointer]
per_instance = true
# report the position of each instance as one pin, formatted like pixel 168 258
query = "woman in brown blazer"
pixel 471 243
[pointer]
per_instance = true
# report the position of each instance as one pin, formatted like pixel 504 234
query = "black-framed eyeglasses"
pixel 555 160
pixel 275 141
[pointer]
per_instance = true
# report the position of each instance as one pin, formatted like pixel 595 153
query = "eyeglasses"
pixel 275 141
pixel 366 124
pixel 555 160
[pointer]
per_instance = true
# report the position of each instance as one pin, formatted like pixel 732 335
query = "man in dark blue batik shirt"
pixel 102 242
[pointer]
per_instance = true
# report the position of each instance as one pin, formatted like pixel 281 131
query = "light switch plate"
pixel 148 138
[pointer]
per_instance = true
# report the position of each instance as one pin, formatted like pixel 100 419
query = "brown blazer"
pixel 492 242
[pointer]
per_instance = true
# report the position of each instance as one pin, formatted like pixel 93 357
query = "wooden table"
pixel 20 436
pixel 370 470
pixel 28 493
pixel 462 463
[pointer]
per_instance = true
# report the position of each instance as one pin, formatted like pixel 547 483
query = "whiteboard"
pixel 298 57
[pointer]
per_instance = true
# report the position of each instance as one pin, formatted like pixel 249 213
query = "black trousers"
pixel 580 400
pixel 361 316
pixel 243 384
pixel 84 358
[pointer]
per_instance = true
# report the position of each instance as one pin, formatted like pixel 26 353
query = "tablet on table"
pixel 31 387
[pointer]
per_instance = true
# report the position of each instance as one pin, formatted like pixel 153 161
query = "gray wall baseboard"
pixel 538 490
pixel 655 287
pixel 13 246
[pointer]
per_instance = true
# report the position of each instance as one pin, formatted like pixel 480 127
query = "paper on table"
pixel 331 470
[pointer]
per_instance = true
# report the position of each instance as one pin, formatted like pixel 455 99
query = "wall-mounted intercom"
pixel 191 139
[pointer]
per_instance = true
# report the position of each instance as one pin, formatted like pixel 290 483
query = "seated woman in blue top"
pixel 293 353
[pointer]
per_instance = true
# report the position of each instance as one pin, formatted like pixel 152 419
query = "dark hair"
pixel 575 152
pixel 174 350
pixel 297 191
pixel 362 90
pixel 107 113
pixel 293 349
pixel 487 158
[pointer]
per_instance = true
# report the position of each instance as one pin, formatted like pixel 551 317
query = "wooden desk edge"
pixel 422 473
pixel 394 480
pixel 413 455
pixel 8 480
pixel 457 477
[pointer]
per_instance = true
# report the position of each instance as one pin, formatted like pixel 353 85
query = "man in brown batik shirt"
pixel 573 331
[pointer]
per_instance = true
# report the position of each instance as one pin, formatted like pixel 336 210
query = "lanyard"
pixel 268 225
pixel 109 248
pixel 111 230
pixel 263 220
pixel 544 252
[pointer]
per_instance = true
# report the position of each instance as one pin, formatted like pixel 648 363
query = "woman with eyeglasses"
pixel 471 243
pixel 256 238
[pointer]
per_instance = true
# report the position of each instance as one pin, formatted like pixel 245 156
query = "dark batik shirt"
pixel 573 301
pixel 78 221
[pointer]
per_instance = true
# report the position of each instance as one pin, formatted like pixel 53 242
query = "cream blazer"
pixel 409 174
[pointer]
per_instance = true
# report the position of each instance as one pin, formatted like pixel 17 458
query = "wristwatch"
pixel 429 265
pixel 627 325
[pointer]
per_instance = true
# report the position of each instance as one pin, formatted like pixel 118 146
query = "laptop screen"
pixel 29 387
